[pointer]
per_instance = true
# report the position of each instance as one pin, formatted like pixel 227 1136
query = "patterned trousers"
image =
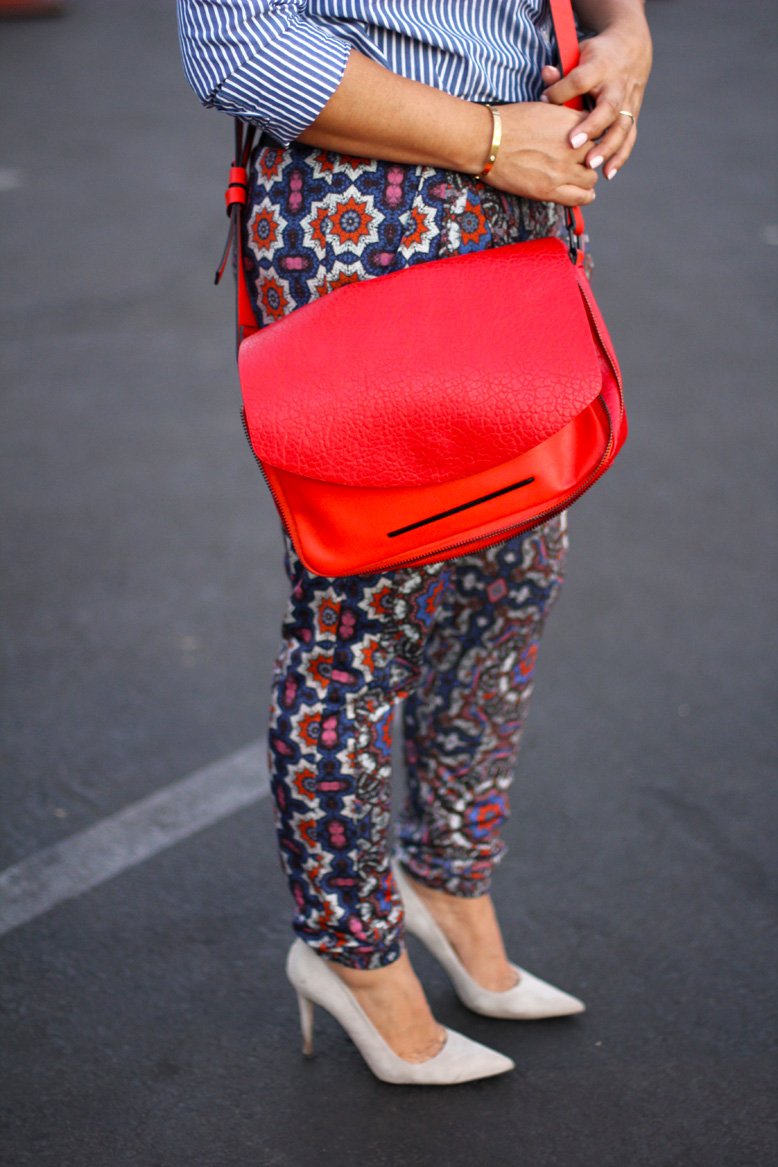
pixel 456 640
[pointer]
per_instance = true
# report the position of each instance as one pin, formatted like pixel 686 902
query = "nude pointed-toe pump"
pixel 529 1000
pixel 460 1060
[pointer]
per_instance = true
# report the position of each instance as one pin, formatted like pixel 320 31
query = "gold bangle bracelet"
pixel 496 139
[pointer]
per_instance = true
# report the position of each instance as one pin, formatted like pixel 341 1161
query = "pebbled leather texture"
pixel 489 355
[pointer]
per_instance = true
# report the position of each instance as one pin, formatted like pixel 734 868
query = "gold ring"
pixel 627 114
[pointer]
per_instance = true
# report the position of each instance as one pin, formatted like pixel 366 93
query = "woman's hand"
pixel 613 69
pixel 536 158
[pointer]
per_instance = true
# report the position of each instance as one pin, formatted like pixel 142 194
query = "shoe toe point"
pixel 567 1005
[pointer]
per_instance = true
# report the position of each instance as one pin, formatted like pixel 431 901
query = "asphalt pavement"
pixel 147 1021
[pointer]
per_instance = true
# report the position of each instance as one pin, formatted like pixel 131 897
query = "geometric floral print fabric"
pixel 318 220
pixel 456 640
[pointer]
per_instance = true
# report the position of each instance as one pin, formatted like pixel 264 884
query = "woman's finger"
pixel 608 146
pixel 584 78
pixel 583 176
pixel 604 115
pixel 613 167
pixel 573 196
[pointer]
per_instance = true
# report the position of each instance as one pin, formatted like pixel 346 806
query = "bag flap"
pixel 424 375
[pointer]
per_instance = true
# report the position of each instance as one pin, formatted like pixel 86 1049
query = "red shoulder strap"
pixel 566 39
pixel 236 197
pixel 567 43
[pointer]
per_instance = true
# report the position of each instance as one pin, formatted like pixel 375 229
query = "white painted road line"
pixel 134 834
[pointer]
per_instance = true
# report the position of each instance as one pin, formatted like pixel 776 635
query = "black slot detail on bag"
pixel 465 506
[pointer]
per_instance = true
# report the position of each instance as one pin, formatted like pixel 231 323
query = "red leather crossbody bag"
pixel 492 403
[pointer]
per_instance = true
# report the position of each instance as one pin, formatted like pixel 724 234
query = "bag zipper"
pixel 258 461
pixel 604 348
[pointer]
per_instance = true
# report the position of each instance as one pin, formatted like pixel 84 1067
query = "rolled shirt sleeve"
pixel 261 60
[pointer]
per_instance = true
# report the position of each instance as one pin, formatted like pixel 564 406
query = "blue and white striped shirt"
pixel 278 62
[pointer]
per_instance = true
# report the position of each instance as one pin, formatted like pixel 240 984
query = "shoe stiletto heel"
pixel 529 1000
pixel 306 1023
pixel 460 1060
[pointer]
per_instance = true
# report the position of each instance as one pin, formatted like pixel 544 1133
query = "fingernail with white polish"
pixel 578 140
pixel 595 162
pixel 612 174
pixel 543 97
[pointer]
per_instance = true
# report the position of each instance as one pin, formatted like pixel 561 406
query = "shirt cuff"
pixel 287 83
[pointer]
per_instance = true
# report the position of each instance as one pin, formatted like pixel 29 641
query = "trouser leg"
pixel 464 720
pixel 350 648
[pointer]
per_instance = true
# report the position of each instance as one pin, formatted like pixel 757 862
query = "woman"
pixel 377 140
